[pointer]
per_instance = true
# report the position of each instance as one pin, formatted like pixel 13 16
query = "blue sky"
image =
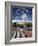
pixel 21 13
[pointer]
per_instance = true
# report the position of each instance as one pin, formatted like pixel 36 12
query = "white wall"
pixel 2 23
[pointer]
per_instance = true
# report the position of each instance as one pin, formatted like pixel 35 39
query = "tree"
pixel 14 24
pixel 28 25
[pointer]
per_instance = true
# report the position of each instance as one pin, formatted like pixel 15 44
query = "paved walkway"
pixel 16 34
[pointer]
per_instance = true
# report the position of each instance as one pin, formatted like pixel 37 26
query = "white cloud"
pixel 26 10
pixel 17 13
pixel 18 9
pixel 24 17
pixel 17 21
pixel 13 21
pixel 16 17
pixel 22 12
pixel 20 21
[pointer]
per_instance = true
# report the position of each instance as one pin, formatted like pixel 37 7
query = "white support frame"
pixel 8 23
